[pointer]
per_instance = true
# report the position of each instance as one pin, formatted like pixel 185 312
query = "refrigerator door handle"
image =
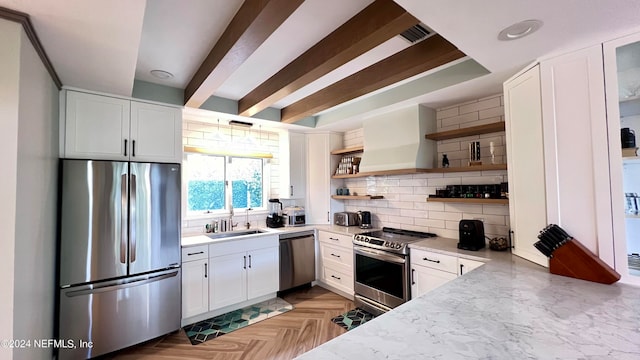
pixel 123 219
pixel 132 218
pixel 117 286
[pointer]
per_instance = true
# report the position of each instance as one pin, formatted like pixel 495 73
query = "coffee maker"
pixel 274 218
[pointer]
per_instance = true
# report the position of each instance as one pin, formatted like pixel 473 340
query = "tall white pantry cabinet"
pixel 581 158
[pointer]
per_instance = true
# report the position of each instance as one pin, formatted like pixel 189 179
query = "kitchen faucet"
pixel 248 224
pixel 231 224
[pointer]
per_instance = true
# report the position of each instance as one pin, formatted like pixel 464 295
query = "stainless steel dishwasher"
pixel 297 259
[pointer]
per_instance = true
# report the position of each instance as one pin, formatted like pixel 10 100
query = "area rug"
pixel 353 318
pixel 223 324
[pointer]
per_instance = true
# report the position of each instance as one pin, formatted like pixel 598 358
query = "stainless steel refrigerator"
pixel 119 255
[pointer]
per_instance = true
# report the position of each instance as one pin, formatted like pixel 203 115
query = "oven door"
pixel 381 276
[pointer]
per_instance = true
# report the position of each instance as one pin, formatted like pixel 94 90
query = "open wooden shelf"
pixel 487 167
pixel 470 201
pixel 350 150
pixel 468 131
pixel 357 197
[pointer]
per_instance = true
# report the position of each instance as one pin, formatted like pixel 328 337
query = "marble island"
pixel 507 309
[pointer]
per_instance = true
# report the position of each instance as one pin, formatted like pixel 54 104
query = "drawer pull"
pixel 332 254
pixel 435 261
pixel 195 253
pixel 330 238
pixel 335 277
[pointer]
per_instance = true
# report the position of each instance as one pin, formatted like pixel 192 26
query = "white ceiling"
pixel 103 45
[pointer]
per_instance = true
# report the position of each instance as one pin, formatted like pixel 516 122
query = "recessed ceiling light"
pixel 519 30
pixel 161 74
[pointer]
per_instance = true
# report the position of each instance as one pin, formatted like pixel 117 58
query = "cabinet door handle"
pixel 205 270
pixel 413 279
pixel 328 217
pixel 249 261
pixel 335 277
pixel 291 190
pixel 133 148
pixel 125 147
pixel 461 266
pixel 435 261
pixel 332 254
pixel 511 239
pixel 330 238
pixel 245 262
pixel 195 253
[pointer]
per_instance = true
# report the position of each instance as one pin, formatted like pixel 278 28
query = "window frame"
pixel 266 187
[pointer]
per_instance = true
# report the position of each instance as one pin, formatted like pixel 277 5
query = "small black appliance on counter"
pixel 365 219
pixel 471 235
pixel 274 217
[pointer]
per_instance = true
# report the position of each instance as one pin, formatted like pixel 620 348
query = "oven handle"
pixel 382 255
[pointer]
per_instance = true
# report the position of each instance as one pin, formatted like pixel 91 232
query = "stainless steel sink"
pixel 235 233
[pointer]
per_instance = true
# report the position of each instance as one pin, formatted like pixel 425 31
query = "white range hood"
pixel 396 140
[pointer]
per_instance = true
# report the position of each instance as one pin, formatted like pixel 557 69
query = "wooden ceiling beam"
pixel 423 56
pixel 254 22
pixel 374 25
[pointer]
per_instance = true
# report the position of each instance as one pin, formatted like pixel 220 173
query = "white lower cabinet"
pixel 228 280
pixel 195 281
pixel 242 270
pixel 219 276
pixel 430 270
pixel 425 279
pixel 335 261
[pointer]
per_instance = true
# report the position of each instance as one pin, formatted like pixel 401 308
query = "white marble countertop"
pixel 201 239
pixel 508 309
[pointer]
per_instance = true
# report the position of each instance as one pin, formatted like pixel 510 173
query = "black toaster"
pixel 471 235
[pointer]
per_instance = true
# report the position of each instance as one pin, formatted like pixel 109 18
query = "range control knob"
pixel 398 246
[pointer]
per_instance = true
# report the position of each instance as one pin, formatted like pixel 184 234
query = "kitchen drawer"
pixel 434 260
pixel 193 253
pixel 337 256
pixel 338 278
pixel 336 239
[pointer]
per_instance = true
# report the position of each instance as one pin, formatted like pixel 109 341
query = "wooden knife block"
pixel 574 260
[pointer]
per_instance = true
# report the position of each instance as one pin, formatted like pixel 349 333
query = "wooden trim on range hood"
pixel 254 22
pixel 423 56
pixel 22 18
pixel 377 23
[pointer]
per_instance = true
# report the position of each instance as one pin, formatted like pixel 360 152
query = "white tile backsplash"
pixel 404 204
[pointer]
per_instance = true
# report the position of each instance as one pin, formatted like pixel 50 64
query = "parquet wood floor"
pixel 282 337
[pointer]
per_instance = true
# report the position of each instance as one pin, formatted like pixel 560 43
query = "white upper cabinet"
pixel 293 175
pixel 523 129
pixel 97 127
pixel 108 128
pixel 156 133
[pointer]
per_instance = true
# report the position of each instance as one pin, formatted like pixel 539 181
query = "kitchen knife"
pixel 546 251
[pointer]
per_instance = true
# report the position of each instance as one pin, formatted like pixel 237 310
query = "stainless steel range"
pixel 381 267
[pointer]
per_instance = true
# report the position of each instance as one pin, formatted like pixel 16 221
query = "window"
pixel 206 175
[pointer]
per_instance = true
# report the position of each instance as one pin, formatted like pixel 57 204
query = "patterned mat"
pixel 353 318
pixel 223 324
